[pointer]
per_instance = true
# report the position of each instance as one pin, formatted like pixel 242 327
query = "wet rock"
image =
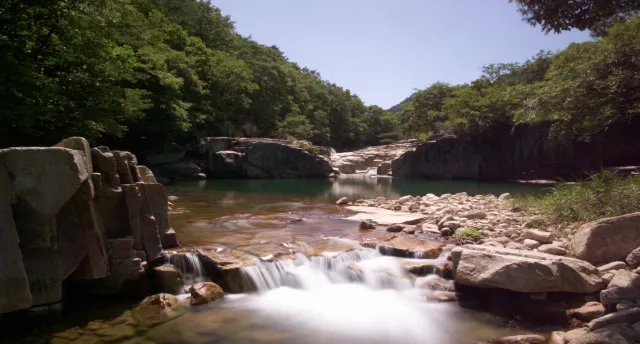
pixel 589 311
pixel 367 225
pixel 522 339
pixel 531 244
pixel 343 201
pixel 552 249
pixel 537 235
pixel 613 266
pixel 396 228
pixel 167 279
pixel 607 240
pixel 522 271
pixel 205 292
pixel 157 309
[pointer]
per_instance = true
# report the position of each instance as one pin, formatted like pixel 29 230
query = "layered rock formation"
pixel 75 213
pixel 523 152
pixel 226 157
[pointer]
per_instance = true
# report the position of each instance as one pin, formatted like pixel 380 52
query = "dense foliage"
pixel 581 90
pixel 563 15
pixel 145 74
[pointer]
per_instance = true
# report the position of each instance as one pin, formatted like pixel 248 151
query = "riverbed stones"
pixel 588 311
pixel 396 228
pixel 629 316
pixel 406 246
pixel 537 235
pixel 367 224
pixel 613 266
pixel 607 240
pixel 522 271
pixel 343 201
pixel 205 292
pixel 532 244
pixel 552 249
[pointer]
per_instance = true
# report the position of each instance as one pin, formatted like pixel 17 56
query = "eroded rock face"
pixel 371 160
pixel 522 271
pixel 607 240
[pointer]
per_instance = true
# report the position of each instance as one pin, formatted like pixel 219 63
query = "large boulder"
pixel 45 178
pixel 274 160
pixel 607 240
pixel 523 271
pixel 205 292
pixel 225 164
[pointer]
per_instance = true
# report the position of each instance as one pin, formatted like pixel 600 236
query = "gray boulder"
pixel 607 240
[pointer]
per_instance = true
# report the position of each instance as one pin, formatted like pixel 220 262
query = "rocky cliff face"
pixel 263 158
pixel 75 213
pixel 526 152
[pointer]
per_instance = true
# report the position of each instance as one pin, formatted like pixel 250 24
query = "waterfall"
pixel 366 267
pixel 190 266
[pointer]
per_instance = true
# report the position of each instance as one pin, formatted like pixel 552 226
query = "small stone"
pixel 504 197
pixel 589 311
pixel 531 243
pixel 343 201
pixel 367 225
pixel 409 230
pixel 537 235
pixel 172 198
pixel 405 199
pixel 475 215
pixel 552 249
pixel 446 232
pixel 395 228
pixel 515 246
pixel 451 224
pixel 205 292
pixel 613 266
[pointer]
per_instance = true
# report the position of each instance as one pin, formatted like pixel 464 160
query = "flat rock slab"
pixel 383 216
pixel 523 271
pixel 404 246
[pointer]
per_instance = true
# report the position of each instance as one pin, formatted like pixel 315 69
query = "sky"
pixel 382 50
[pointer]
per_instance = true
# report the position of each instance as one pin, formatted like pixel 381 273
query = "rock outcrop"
pixel 607 240
pixel 371 161
pixel 72 213
pixel 522 271
pixel 263 158
pixel 522 152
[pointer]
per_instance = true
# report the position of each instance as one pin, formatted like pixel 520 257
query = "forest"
pixel 146 75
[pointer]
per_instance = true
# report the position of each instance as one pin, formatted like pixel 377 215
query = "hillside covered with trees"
pixel 147 74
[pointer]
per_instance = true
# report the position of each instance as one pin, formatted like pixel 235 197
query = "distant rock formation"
pixel 523 152
pixel 227 157
pixel 75 213
pixel 371 161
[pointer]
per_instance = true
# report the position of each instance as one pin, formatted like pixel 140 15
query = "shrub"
pixel 602 195
pixel 469 234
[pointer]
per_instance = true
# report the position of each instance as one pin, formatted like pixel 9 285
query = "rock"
pixel 124 163
pixel 395 228
pixel 522 271
pixel 409 230
pixel 531 243
pixel 628 316
pixel 515 246
pixel 633 258
pixel 537 235
pixel 451 224
pixel 205 292
pixel 446 232
pixel 613 266
pixel 79 144
pixel 475 215
pixel 167 279
pixel 155 203
pixel 384 216
pixel 103 162
pixel 522 339
pixel 45 178
pixel 14 289
pixel 505 197
pixel 343 201
pixel 225 164
pixel 625 305
pixel 575 334
pixel 121 248
pixel 275 160
pixel 406 246
pixel 367 225
pixel 556 337
pixel 405 199
pixel 623 278
pixel 606 278
pixel 146 175
pixel 552 249
pixel 589 311
pixel 617 294
pixel 492 243
pixel 181 169
pixel 384 168
pixel 614 334
pixel 429 228
pixel 157 309
pixel 607 240
pixel 127 276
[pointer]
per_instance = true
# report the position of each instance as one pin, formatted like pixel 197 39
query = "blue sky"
pixel 383 50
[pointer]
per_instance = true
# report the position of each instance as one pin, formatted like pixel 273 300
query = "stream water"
pixel 334 296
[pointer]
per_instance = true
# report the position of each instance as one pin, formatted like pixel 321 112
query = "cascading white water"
pixel 190 266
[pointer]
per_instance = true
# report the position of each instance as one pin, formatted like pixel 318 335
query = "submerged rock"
pixel 157 309
pixel 523 271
